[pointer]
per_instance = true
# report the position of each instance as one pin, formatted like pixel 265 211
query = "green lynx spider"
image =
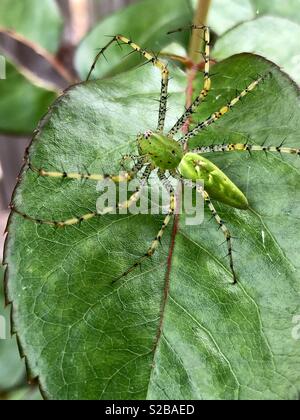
pixel 160 151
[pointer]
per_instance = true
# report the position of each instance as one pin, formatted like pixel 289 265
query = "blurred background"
pixel 49 45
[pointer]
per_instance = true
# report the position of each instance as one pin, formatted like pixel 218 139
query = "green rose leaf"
pixel 224 16
pixel 272 37
pixel 288 9
pixel 11 366
pixel 19 16
pixel 17 90
pixel 26 393
pixel 85 338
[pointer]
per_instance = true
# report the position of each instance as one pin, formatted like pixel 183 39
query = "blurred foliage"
pixel 272 37
pixel 22 101
pixel 285 8
pixel 11 366
pixel 146 22
pixel 36 20
pixel 28 393
pixel 225 15
pixel 23 97
pixel 12 370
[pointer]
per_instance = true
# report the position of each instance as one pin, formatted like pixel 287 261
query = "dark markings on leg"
pixel 224 110
pixel 151 58
pixel 88 216
pixel 223 227
pixel 206 87
pixel 81 176
pixel 156 241
pixel 246 147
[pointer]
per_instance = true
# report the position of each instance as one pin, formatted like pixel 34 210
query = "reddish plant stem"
pixel 169 267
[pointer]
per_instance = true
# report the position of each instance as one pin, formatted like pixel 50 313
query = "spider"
pixel 160 151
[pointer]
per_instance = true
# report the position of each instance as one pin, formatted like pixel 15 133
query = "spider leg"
pixel 223 227
pixel 155 244
pixel 138 162
pixel 127 158
pixel 151 58
pixel 206 87
pixel 81 176
pixel 165 181
pixel 88 216
pixel 219 114
pixel 133 160
pixel 246 147
pixel 217 218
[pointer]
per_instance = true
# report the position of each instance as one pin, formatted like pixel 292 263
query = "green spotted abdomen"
pixel 195 167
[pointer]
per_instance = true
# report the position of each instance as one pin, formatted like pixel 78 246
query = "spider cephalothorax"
pixel 161 151
pixel 157 150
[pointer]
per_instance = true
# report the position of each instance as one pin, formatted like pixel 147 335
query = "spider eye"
pixel 147 134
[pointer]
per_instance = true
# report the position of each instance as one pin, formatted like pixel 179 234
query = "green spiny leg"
pixel 165 181
pixel 246 147
pixel 215 215
pixel 81 176
pixel 152 249
pixel 223 227
pixel 138 162
pixel 207 83
pixel 151 59
pixel 219 114
pixel 88 216
pixel 126 158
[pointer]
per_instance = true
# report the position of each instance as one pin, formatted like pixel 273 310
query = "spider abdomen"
pixel 196 167
pixel 162 151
